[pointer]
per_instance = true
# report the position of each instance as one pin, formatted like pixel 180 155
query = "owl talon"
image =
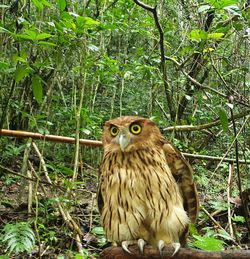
pixel 160 246
pixel 176 247
pixel 141 244
pixel 126 244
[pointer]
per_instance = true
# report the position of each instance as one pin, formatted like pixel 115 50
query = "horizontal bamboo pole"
pixel 26 134
pixel 97 143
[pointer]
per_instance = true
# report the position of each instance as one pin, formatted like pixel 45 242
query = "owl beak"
pixel 123 142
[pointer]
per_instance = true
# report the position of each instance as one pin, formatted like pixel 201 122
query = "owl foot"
pixel 161 245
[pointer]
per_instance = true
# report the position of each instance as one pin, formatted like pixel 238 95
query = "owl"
pixel 146 193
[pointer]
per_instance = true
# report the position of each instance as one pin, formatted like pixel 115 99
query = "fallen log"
pixel 116 252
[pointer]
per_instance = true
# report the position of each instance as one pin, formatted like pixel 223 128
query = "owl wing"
pixel 183 174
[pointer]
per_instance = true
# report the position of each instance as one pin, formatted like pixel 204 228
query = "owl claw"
pixel 160 246
pixel 176 247
pixel 126 244
pixel 141 244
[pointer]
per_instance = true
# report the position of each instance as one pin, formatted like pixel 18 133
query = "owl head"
pixel 130 133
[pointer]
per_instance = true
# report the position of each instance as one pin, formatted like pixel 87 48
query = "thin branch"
pixel 204 126
pixel 244 205
pixel 27 178
pixel 240 130
pixel 201 86
pixel 153 10
pixel 229 186
pixel 215 158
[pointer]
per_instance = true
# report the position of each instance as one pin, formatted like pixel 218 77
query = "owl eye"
pixel 114 131
pixel 135 129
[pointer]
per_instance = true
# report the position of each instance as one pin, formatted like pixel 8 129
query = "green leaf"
pixel 236 218
pixel 208 243
pixel 85 22
pixel 3 65
pixel 43 36
pixel 33 35
pixel 215 35
pixel 98 231
pixel 46 3
pixel 46 43
pixel 38 4
pixel 198 35
pixel 223 119
pixel 37 88
pixel 61 4
pixel 222 233
pixel 222 3
pixel 21 72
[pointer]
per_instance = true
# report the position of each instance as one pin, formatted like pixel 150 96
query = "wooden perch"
pixel 116 252
pixel 26 134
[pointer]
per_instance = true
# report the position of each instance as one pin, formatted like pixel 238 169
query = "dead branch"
pixel 115 252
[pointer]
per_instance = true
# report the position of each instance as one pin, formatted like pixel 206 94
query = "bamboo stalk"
pixel 27 134
pixel 98 143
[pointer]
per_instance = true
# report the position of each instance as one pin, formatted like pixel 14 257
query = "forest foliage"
pixel 67 66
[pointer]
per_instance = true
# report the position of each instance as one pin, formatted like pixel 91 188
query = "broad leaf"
pixel 223 119
pixel 209 243
pixel 38 4
pixel 37 88
pixel 215 35
pixel 61 4
pixel 98 231
pixel 21 72
pixel 198 35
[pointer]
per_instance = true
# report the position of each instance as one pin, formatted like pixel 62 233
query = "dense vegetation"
pixel 67 66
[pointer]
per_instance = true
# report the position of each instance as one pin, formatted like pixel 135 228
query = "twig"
pixel 162 109
pixel 229 184
pixel 28 178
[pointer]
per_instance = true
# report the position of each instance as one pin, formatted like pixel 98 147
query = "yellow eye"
pixel 135 129
pixel 114 131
